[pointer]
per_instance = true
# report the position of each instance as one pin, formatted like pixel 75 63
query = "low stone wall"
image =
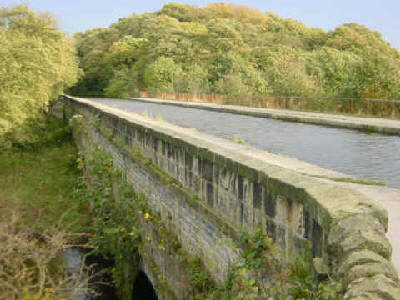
pixel 207 190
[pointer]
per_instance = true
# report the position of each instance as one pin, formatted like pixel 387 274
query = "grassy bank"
pixel 39 218
pixel 39 187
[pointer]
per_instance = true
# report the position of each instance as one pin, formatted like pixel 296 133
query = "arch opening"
pixel 143 288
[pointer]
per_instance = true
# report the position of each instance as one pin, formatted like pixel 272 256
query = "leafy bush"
pixel 37 62
pixel 235 50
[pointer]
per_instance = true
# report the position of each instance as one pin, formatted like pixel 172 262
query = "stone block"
pixel 365 263
pixel 358 232
pixel 378 287
pixel 237 190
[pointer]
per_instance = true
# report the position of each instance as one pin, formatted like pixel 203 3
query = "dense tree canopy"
pixel 235 50
pixel 37 62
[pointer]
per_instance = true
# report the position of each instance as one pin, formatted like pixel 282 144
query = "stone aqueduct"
pixel 220 190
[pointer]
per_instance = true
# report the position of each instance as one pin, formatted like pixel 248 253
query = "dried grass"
pixel 31 265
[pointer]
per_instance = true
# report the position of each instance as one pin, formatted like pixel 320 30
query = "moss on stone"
pixel 354 222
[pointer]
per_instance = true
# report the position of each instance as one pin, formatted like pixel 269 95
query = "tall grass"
pixel 39 215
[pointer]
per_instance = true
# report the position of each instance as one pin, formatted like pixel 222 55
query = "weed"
pixel 239 141
pixel 114 232
pixel 117 216
pixel 352 180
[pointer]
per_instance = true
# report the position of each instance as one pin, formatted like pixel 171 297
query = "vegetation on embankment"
pixel 234 50
pixel 39 185
pixel 39 217
pixel 121 227
pixel 38 175
pixel 37 61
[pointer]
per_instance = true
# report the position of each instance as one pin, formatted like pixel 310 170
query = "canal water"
pixel 367 156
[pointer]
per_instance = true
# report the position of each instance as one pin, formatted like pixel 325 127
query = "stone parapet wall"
pixel 208 190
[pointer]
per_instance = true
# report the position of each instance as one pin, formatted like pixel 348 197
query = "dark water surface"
pixel 143 289
pixel 73 259
pixel 362 155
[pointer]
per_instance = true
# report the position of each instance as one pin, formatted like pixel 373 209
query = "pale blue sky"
pixel 383 15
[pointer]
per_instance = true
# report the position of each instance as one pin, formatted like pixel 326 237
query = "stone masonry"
pixel 219 190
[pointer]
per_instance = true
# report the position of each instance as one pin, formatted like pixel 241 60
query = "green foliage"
pixel 353 180
pixel 125 58
pixel 194 81
pixel 235 50
pixel 117 215
pixel 241 13
pixel 198 276
pixel 37 61
pixel 38 184
pixel 126 51
pixel 113 223
pixel 301 284
pixel 257 260
pixel 287 73
pixel 379 67
pixel 48 132
pixel 183 12
pixel 260 260
pixel 161 75
pixel 255 247
pixel 336 71
pixel 122 84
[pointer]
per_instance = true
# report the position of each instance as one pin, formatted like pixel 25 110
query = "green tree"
pixel 37 62
pixel 194 80
pixel 286 73
pixel 92 47
pixel 162 75
pixel 379 70
pixel 125 58
pixel 338 72
pixel 235 50
pixel 122 84
pixel 126 51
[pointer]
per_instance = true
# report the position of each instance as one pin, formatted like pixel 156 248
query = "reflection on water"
pixel 362 155
pixel 73 264
pixel 74 260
